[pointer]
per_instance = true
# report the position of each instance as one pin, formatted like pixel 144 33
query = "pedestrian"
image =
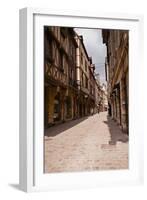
pixel 98 110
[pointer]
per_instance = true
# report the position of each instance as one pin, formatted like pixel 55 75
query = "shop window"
pixel 57 108
pixel 68 107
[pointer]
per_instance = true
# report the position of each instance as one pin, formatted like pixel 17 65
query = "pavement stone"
pixel 90 143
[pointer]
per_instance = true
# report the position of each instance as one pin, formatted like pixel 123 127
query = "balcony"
pixel 55 75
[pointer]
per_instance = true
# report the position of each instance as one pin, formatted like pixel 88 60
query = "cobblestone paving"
pixel 90 143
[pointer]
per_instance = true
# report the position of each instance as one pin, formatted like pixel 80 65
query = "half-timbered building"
pixel 59 75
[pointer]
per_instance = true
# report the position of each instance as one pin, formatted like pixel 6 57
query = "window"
pixel 81 59
pixel 63 32
pixel 61 60
pixel 86 67
pixel 86 81
pixel 82 79
pixel 48 48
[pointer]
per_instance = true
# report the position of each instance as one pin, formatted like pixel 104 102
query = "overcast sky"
pixel 96 49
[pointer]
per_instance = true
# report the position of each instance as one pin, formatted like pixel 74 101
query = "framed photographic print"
pixel 80 122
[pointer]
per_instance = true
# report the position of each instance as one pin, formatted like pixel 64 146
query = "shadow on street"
pixel 116 133
pixel 59 128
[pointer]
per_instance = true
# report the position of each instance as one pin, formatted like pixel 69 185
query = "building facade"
pixel 70 87
pixel 86 80
pixel 59 75
pixel 103 103
pixel 82 72
pixel 93 88
pixel 117 75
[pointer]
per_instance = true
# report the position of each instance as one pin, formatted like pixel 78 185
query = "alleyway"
pixel 89 143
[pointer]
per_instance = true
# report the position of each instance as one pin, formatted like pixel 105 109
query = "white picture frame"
pixel 31 126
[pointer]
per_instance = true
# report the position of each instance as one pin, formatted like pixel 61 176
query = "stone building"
pixel 103 103
pixel 93 89
pixel 117 75
pixel 82 72
pixel 60 89
pixel 85 80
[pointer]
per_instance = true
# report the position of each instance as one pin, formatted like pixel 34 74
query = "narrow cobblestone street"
pixel 90 143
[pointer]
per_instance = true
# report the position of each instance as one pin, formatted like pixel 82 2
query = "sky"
pixel 92 39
